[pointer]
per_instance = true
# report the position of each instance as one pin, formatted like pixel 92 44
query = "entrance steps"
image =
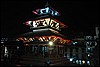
pixel 39 60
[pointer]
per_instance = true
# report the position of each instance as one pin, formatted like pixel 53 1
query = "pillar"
pixel 73 52
pixel 68 52
pixel 80 53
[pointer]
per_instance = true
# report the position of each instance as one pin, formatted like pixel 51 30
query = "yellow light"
pixel 25 39
pixel 50 43
pixel 83 62
pixel 26 44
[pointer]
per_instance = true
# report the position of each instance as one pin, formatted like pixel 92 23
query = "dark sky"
pixel 78 15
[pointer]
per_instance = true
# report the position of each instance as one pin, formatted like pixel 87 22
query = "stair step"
pixel 32 63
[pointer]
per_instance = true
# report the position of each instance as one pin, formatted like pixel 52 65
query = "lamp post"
pixel 50 47
pixel 50 43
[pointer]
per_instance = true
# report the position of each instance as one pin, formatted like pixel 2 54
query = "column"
pixel 68 52
pixel 80 53
pixel 77 52
pixel 71 49
pixel 43 49
pixel 74 52
pixel 57 51
pixel 63 51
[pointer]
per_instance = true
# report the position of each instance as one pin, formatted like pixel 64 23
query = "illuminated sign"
pixel 46 10
pixel 44 22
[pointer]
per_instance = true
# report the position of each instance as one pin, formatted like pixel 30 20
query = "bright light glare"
pixel 88 55
pixel 83 62
pixel 71 59
pixel 50 43
pixel 88 62
pixel 77 61
pixel 2 42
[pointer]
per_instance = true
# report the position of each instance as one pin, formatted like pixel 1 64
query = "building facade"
pixel 45 37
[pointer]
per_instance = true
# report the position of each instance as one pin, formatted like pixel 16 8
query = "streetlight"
pixel 88 55
pixel 50 43
pixel 83 62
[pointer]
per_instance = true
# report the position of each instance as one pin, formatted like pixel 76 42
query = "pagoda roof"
pixel 40 37
pixel 46 17
pixel 47 10
pixel 42 32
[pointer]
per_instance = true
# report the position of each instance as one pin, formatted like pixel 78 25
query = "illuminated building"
pixel 87 45
pixel 45 36
pixel 91 43
pixel 3 40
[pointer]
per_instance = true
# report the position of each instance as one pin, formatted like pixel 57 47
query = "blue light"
pixel 88 48
pixel 42 11
pixel 47 9
pixel 56 13
pixel 77 61
pixel 75 42
pixel 88 62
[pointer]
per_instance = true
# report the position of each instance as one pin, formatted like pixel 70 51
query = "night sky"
pixel 80 16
